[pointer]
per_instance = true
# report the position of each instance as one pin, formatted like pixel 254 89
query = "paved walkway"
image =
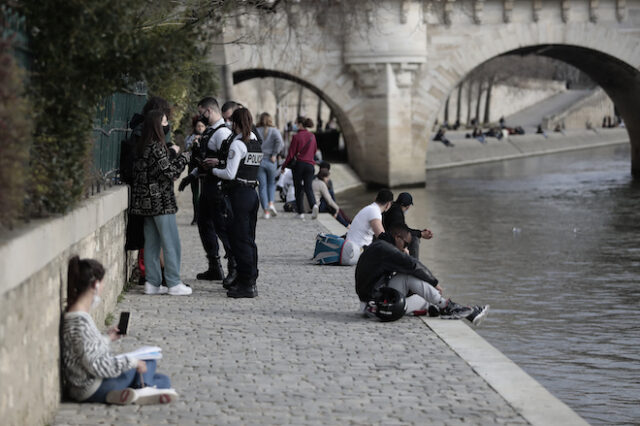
pixel 298 354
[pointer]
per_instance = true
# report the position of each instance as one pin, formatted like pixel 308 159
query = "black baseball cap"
pixel 404 199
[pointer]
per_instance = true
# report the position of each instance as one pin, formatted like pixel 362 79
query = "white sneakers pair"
pixel 314 213
pixel 144 396
pixel 176 290
pixel 270 211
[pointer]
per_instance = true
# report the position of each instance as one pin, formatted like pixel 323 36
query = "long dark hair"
pixel 81 275
pixel 152 131
pixel 243 122
pixel 304 121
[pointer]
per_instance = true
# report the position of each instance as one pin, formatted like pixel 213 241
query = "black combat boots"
pixel 214 273
pixel 229 280
pixel 243 288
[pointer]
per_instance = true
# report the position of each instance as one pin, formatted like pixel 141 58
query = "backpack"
pixel 328 249
pixel 128 150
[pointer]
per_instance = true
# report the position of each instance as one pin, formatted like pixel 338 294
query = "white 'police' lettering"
pixel 253 159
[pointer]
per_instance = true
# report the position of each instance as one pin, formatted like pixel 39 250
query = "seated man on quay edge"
pixel 367 224
pixel 386 263
pixel 396 216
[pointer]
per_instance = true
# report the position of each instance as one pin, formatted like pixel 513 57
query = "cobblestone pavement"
pixel 298 354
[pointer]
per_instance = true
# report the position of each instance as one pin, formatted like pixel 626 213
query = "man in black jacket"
pixel 386 262
pixel 395 216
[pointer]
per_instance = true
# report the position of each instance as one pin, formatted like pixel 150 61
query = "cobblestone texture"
pixel 297 354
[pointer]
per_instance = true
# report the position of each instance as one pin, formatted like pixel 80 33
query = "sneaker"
pixel 273 210
pixel 267 214
pixel 452 310
pixel 180 290
pixel 301 216
pixel 478 314
pixel 121 397
pixel 314 211
pixel 152 289
pixel 150 395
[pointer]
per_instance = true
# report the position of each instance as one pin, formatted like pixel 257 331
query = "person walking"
pixel 268 169
pixel 239 173
pixel 153 197
pixel 302 150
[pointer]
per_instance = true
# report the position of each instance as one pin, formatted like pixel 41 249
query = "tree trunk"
pixel 469 86
pixel 446 112
pixel 458 106
pixel 487 101
pixel 319 115
pixel 478 101
pixel 299 111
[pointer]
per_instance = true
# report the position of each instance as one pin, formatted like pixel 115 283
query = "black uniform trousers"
pixel 245 204
pixel 214 218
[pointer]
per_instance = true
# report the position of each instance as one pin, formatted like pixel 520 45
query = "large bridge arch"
pixel 610 58
pixel 348 131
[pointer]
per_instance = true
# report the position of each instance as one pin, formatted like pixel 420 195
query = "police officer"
pixel 239 174
pixel 213 220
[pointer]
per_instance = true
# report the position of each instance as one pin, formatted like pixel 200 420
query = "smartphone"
pixel 123 324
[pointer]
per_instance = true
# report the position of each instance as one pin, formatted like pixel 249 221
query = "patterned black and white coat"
pixel 153 175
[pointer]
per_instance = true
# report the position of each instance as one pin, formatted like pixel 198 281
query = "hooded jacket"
pixel 381 260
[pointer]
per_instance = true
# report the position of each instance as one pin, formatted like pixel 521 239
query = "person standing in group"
pixel 153 197
pixel 272 144
pixel 192 145
pixel 240 177
pixel 214 214
pixel 303 148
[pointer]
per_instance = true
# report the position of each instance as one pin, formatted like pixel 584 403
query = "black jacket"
pixel 395 216
pixel 380 260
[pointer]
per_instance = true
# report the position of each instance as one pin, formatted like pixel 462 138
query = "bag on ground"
pixel 328 249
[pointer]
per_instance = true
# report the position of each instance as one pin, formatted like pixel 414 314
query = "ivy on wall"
pixel 84 50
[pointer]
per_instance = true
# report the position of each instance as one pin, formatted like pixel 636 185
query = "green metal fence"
pixel 14 28
pixel 110 128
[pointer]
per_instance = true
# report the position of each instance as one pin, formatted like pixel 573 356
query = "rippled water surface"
pixel 552 243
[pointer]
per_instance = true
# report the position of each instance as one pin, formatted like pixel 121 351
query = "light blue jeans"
pixel 267 179
pixel 131 379
pixel 161 232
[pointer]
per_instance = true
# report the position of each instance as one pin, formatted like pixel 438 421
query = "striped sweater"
pixel 86 357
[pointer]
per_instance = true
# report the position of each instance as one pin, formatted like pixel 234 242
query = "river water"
pixel 552 243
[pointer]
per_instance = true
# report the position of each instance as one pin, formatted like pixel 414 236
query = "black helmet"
pixel 389 304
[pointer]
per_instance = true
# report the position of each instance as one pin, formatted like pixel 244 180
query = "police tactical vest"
pixel 206 136
pixel 248 168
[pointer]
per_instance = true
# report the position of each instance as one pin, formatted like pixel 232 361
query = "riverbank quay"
pixel 298 354
pixel 468 151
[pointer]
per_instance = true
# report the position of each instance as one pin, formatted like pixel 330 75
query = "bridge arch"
pixel 609 58
pixel 336 98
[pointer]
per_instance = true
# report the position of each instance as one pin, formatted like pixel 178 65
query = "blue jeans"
pixel 131 379
pixel 161 232
pixel 267 179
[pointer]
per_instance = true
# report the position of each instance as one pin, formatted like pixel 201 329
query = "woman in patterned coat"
pixel 152 197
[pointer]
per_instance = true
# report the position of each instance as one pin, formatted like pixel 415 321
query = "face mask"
pixel 96 299
pixel 204 118
pixel 228 124
pixel 166 129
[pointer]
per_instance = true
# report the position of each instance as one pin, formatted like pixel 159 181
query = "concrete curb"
pixel 527 397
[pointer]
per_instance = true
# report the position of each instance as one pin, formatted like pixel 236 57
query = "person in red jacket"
pixel 302 149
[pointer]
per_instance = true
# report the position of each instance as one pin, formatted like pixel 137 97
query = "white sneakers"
pixel 273 210
pixel 144 396
pixel 314 211
pixel 152 289
pixel 267 214
pixel 176 290
pixel 301 216
pixel 180 290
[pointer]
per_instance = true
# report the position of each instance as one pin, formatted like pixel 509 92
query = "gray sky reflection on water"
pixel 552 243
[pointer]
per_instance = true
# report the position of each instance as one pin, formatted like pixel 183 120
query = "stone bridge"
pixel 387 67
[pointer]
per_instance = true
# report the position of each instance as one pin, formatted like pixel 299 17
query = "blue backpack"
pixel 328 249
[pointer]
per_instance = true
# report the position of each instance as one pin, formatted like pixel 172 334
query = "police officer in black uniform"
pixel 213 215
pixel 239 174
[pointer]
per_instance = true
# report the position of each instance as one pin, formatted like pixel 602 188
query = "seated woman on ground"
pixel 321 191
pixel 91 373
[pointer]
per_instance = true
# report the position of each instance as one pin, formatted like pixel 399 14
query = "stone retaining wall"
pixel 33 275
